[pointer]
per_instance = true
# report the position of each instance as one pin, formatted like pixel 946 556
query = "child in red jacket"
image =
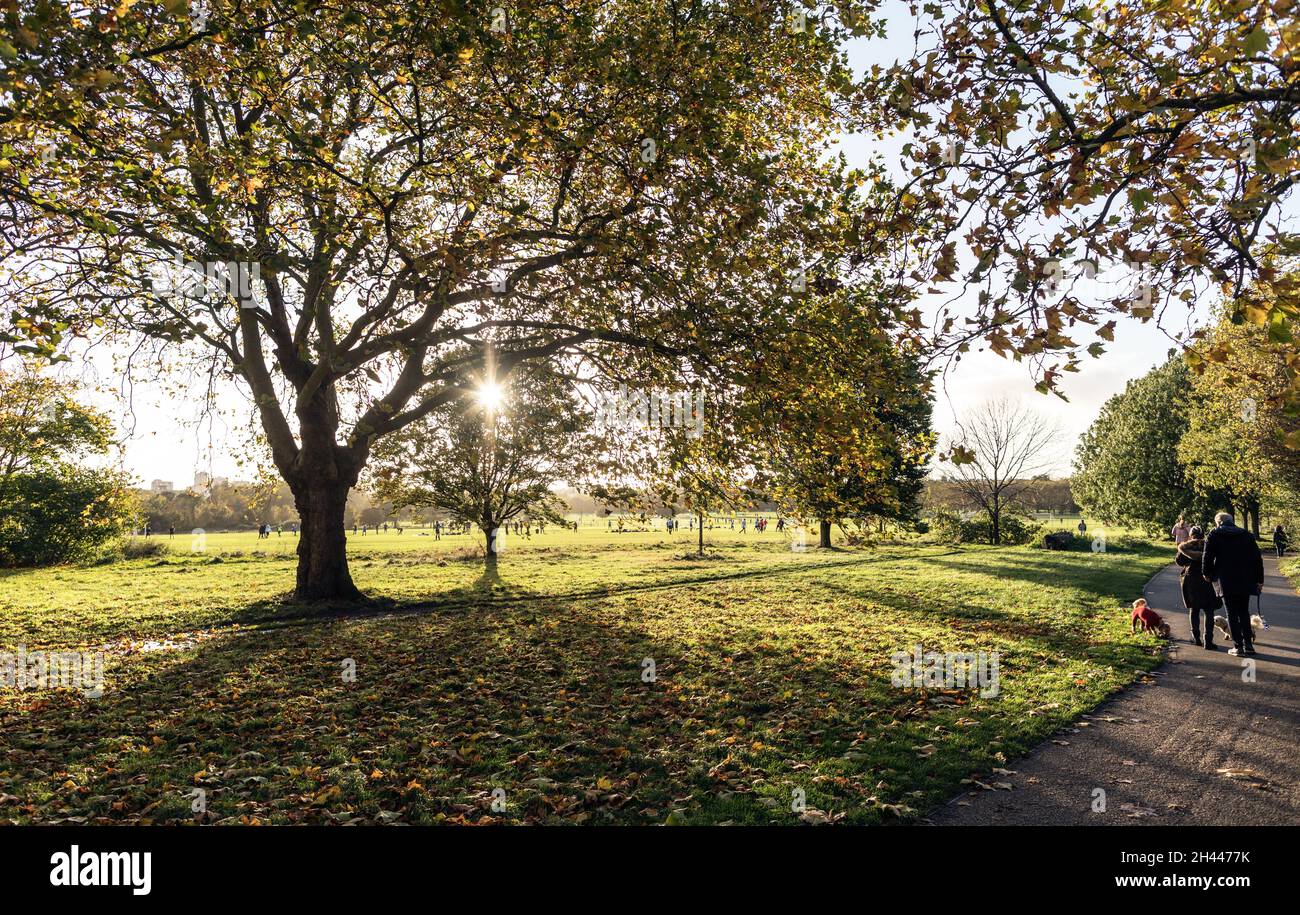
pixel 1151 621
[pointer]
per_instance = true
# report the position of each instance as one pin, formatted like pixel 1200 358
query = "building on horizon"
pixel 204 482
pixel 162 486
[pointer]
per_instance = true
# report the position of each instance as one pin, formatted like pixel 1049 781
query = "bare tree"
pixel 1002 449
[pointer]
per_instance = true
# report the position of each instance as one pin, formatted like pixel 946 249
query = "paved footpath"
pixel 1197 746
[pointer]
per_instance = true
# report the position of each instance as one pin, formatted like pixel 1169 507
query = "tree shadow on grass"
pixel 551 700
pixel 1044 570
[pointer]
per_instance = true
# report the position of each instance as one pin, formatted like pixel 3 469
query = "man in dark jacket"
pixel 1198 594
pixel 1232 558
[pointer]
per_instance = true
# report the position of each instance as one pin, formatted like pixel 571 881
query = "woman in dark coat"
pixel 1198 594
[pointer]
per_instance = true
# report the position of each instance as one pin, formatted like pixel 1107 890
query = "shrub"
pixel 126 548
pixel 65 514
pixel 950 527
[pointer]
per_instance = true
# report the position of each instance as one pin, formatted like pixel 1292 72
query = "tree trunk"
pixel 322 545
pixel 700 519
pixel 492 534
pixel 824 540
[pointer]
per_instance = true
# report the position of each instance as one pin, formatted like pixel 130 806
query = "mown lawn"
pixel 523 699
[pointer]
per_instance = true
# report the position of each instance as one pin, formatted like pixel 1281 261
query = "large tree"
pixel 396 187
pixel 851 442
pixel 1128 467
pixel 1240 440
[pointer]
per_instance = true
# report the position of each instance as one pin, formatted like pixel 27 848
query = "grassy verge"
pixel 528 699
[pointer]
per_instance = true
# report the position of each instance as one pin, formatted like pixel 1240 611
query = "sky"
pixel 167 435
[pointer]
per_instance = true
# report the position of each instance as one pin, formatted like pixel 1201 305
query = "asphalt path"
pixel 1199 744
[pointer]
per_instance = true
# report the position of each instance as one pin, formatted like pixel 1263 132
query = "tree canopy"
pixel 1058 141
pixel 384 188
pixel 1128 466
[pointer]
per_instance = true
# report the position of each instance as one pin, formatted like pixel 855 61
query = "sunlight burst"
pixel 491 396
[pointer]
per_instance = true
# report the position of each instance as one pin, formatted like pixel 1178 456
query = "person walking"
pixel 1181 532
pixel 1198 594
pixel 1083 528
pixel 1232 559
pixel 1280 540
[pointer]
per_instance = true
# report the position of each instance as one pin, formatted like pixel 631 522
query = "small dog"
pixel 1256 623
pixel 1150 620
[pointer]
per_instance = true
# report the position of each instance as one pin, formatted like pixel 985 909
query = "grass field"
pixel 525 698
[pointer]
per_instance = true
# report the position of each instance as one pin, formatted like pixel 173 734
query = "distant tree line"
pixel 1038 494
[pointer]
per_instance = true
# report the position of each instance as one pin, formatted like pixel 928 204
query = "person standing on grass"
pixel 1083 528
pixel 1198 594
pixel 1181 531
pixel 1280 540
pixel 1232 559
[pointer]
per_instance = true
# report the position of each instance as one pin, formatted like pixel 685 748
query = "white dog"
pixel 1256 623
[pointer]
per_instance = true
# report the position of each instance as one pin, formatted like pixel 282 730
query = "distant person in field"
pixel 1280 540
pixel 1198 594
pixel 171 532
pixel 1232 560
pixel 1181 531
pixel 1083 528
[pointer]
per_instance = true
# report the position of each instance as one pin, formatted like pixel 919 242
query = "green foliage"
pixel 61 515
pixel 131 549
pixel 52 510
pixel 842 420
pixel 951 527
pixel 1240 439
pixel 42 426
pixel 490 464
pixel 1128 468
